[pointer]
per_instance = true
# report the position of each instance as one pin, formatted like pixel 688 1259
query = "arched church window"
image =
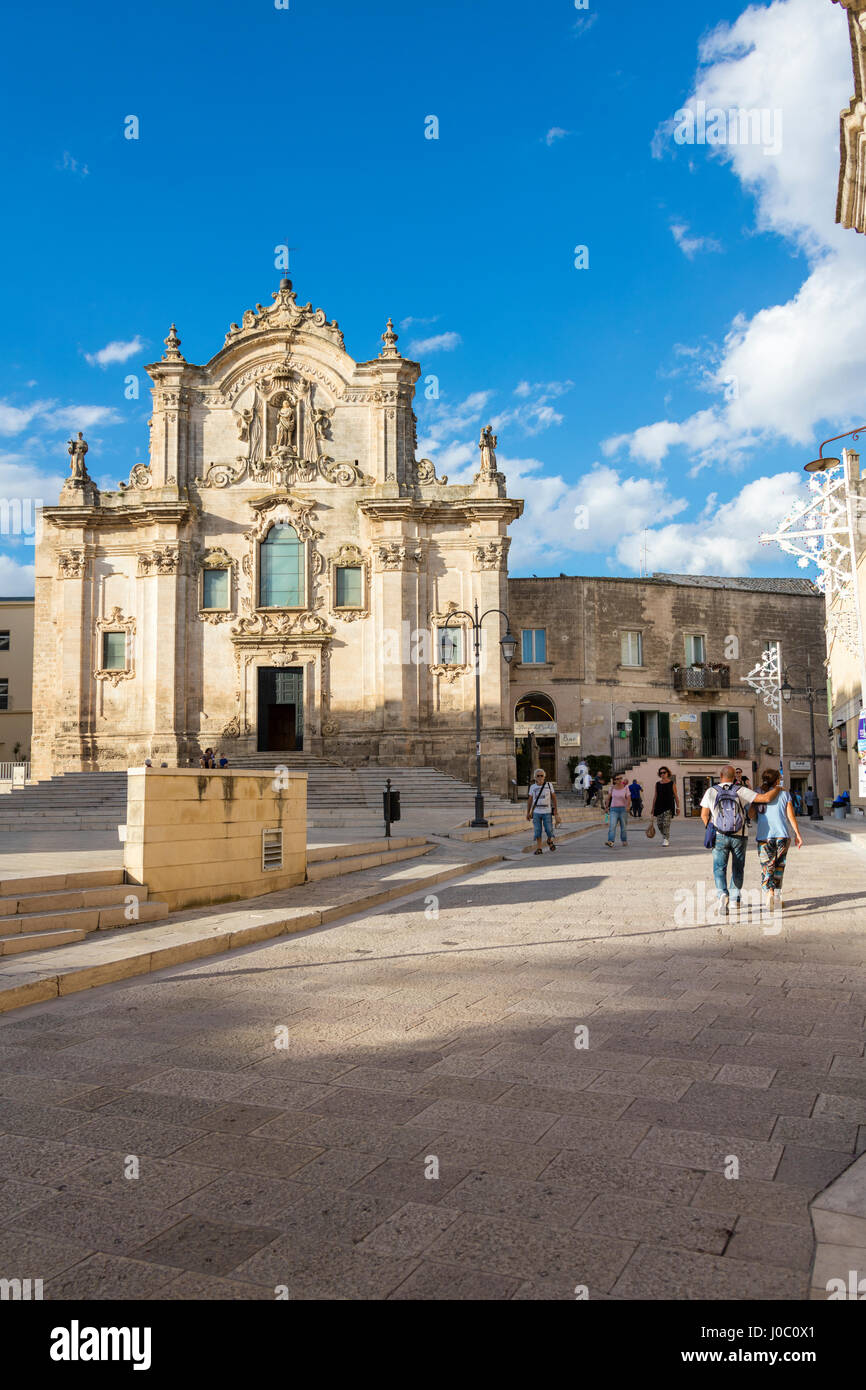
pixel 281 570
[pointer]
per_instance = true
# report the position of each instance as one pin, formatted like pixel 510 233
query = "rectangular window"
pixel 114 651
pixel 449 646
pixel 4 694
pixel 632 648
pixel 4 641
pixel 695 650
pixel 534 646
pixel 215 589
pixel 348 586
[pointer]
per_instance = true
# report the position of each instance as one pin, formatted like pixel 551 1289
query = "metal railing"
pixel 6 771
pixel 702 677
pixel 642 749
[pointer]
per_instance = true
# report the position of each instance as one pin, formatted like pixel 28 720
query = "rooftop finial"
pixel 172 347
pixel 389 338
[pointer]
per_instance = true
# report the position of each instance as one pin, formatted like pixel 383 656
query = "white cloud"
pixel 440 342
pixel 691 245
pixel 70 165
pixel 407 323
pixel 555 133
pixel 16 581
pixel 725 539
pixel 117 351
pixel 81 417
pixel 14 419
pixel 793 365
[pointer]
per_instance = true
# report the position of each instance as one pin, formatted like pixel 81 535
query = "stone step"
pixel 14 945
pixel 318 854
pixel 83 919
pixel 332 868
pixel 55 883
pixel 64 899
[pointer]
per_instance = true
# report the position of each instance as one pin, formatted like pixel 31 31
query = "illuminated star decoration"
pixel 764 680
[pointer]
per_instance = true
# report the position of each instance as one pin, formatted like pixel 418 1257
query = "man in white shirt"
pixel 727 806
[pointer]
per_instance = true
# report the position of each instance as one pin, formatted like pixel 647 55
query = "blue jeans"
pixel 731 847
pixel 617 818
pixel 542 820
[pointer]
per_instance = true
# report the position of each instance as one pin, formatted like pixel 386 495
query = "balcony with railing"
pixel 701 678
pixel 718 750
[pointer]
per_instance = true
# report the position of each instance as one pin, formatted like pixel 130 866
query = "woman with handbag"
pixel 666 805
pixel 541 809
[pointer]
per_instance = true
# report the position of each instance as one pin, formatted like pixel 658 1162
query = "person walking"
pixel 541 809
pixel 593 791
pixel 617 804
pixel 727 806
pixel 666 803
pixel 810 803
pixel 586 783
pixel 636 794
pixel 775 824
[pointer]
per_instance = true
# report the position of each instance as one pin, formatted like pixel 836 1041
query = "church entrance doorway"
pixel 281 709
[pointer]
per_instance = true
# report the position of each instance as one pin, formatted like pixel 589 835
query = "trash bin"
pixel 391 811
pixel 839 812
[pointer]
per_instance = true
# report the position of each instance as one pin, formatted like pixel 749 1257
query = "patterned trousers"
pixel 772 854
pixel 664 824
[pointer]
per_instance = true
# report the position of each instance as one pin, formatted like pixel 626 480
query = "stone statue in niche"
pixel 286 427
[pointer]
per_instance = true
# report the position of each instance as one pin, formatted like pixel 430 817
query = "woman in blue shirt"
pixel 777 821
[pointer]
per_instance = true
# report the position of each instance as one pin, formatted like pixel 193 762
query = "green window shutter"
pixel 707 734
pixel 664 734
pixel 635 735
pixel 733 734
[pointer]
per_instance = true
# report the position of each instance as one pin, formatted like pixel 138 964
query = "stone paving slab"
pixel 438 1125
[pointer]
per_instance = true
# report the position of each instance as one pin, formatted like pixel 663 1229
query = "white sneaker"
pixel 665 842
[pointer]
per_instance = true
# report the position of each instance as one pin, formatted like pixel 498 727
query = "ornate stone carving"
pixel 449 673
pixel 172 347
pixel 425 472
pixel 389 338
pixel 289 511
pixel 140 477
pixel 284 470
pixel 284 313
pixel 491 555
pixel 161 560
pixel 71 564
pixel 330 727
pixel 392 555
pixel 281 625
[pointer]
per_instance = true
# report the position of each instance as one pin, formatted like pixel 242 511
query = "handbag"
pixel 710 837
pixel 651 830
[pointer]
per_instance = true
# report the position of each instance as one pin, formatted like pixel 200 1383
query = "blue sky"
pixel 610 387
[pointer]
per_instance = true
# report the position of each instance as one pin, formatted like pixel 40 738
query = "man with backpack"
pixel 726 806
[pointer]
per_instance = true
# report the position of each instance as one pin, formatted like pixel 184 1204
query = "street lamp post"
pixel 508 643
pixel 808 690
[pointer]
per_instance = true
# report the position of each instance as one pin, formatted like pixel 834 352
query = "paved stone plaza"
pixel 419 1044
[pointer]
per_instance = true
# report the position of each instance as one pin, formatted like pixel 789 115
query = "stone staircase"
pixel 69 801
pixel 337 796
pixel 58 909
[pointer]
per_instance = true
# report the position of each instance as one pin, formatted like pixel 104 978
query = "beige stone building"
pixel 276 578
pixel 16 678
pixel 845 641
pixel 851 202
pixel 650 670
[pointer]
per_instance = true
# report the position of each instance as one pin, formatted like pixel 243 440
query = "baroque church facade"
pixel 277 578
